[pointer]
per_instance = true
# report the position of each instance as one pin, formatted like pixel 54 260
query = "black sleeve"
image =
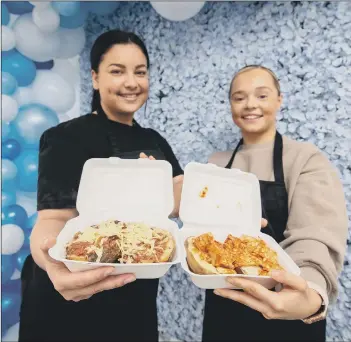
pixel 169 155
pixel 61 161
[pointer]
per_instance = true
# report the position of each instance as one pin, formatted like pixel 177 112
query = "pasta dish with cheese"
pixel 114 241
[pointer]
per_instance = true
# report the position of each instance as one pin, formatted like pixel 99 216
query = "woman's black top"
pixel 128 313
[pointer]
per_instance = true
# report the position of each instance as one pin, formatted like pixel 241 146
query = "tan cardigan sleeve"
pixel 316 231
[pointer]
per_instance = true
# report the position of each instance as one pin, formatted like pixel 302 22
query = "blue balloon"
pixel 19 66
pixel 7 267
pixel 13 285
pixel 11 149
pixel 9 174
pixel 5 16
pixel 76 20
pixel 66 8
pixel 8 84
pixel 27 166
pixel 21 257
pixel 10 307
pixel 8 198
pixel 102 7
pixel 31 122
pixel 19 7
pixel 14 214
pixel 31 221
pixel 27 233
pixel 44 65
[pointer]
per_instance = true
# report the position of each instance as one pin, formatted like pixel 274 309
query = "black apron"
pixel 128 313
pixel 227 320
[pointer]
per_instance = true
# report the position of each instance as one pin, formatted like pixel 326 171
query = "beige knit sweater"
pixel 316 232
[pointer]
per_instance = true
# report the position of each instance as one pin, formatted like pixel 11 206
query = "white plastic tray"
pixel 232 205
pixel 125 190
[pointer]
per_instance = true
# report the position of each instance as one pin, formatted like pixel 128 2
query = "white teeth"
pixel 252 117
pixel 129 96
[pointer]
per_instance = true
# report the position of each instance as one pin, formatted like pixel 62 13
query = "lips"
pixel 129 96
pixel 251 117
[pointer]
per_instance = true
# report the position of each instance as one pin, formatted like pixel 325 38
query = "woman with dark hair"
pixel 93 305
pixel 303 201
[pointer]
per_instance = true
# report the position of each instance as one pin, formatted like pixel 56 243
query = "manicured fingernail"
pixel 128 280
pixel 216 292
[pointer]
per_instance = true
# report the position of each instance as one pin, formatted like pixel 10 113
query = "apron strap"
pixel 277 158
pixel 231 160
pixel 112 138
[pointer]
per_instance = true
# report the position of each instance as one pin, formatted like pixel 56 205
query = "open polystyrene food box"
pixel 224 201
pixel 139 190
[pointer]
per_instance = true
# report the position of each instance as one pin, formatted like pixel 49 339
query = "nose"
pixel 251 102
pixel 130 81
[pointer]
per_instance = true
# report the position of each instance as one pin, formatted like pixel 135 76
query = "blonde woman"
pixel 303 201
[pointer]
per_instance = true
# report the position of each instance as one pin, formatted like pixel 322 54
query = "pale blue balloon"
pixel 31 122
pixel 8 174
pixel 66 8
pixel 5 130
pixel 8 198
pixel 27 166
pixel 102 7
pixel 8 84
pixel 8 170
pixel 19 66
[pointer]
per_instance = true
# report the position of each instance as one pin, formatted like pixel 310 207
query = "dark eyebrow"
pixel 117 65
pixel 123 66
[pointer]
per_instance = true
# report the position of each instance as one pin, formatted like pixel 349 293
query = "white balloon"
pixel 51 90
pixel 32 42
pixel 27 201
pixel 40 4
pixel 12 334
pixel 66 70
pixel 177 11
pixel 9 108
pixel 72 42
pixel 8 38
pixel 12 239
pixel 46 18
pixel 74 112
pixel 16 274
pixel 23 96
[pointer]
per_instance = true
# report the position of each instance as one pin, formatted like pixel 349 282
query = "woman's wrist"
pixel 319 299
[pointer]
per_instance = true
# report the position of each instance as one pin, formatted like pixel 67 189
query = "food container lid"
pixel 125 189
pixel 217 197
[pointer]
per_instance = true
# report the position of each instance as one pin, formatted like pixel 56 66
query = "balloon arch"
pixel 41 43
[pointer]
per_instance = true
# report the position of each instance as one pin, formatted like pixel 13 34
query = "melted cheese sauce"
pixel 134 239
